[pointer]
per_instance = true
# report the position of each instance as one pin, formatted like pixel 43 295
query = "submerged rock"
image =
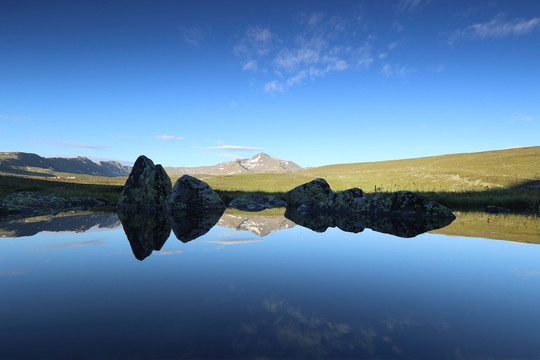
pixel 256 202
pixel 33 203
pixel 147 187
pixel 312 197
pixel 146 231
pixel 194 195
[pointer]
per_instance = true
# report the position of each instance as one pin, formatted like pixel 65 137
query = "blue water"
pixel 293 293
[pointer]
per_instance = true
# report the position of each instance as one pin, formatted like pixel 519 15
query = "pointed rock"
pixel 147 187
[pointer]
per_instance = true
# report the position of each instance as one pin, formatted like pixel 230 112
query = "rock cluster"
pixel 148 188
pixel 316 206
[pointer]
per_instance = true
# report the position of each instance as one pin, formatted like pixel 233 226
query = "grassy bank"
pixel 508 178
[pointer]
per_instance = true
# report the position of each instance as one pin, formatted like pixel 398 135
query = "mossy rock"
pixel 193 195
pixel 405 204
pixel 34 203
pixel 349 201
pixel 147 187
pixel 313 197
pixel 256 202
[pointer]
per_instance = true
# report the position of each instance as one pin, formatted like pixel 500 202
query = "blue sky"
pixel 191 83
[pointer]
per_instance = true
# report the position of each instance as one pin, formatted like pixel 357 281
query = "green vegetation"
pixel 520 228
pixel 508 178
pixel 96 187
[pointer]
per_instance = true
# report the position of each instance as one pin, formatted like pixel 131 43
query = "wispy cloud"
pixel 78 244
pixel 273 87
pixel 388 70
pixel 250 65
pixel 192 36
pixel 169 137
pixel 76 145
pixel 408 5
pixel 322 45
pixel 497 27
pixel 13 118
pixel 230 147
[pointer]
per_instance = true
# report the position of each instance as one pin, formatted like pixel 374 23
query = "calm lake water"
pixel 261 286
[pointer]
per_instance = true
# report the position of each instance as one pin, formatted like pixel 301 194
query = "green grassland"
pixel 509 178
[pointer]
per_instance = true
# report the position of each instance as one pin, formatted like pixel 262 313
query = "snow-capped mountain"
pixel 260 163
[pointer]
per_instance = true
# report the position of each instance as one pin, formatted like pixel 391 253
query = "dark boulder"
pixel 349 201
pixel 492 209
pixel 33 203
pixel 312 197
pixel 147 187
pixel 256 202
pixel 316 221
pixel 403 204
pixel 193 195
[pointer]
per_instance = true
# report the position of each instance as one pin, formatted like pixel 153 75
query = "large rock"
pixel 147 187
pixel 313 197
pixel 256 202
pixel 404 204
pixel 349 201
pixel 193 195
pixel 33 203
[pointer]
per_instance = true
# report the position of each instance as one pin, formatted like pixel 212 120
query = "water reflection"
pixel 75 221
pixel 146 231
pixel 189 227
pixel 402 226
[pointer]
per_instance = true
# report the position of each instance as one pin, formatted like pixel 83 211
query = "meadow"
pixel 508 178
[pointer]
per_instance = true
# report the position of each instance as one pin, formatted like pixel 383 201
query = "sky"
pixel 192 83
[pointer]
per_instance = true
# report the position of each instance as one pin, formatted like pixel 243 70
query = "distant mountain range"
pixel 260 163
pixel 35 165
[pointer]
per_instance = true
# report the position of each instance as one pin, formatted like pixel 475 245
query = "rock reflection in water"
pixel 149 230
pixel 146 231
pixel 405 227
pixel 189 226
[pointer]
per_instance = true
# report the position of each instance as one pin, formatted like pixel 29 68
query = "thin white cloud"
pixel 84 146
pixel 397 26
pixel 389 70
pixel 168 137
pixel 230 147
pixel 273 87
pixel 497 27
pixel 13 118
pixel 408 5
pixel 250 65
pixel 192 36
pixel 321 46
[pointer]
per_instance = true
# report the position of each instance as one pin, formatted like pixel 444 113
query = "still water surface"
pixel 244 289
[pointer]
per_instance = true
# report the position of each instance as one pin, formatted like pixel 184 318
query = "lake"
pixel 258 285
